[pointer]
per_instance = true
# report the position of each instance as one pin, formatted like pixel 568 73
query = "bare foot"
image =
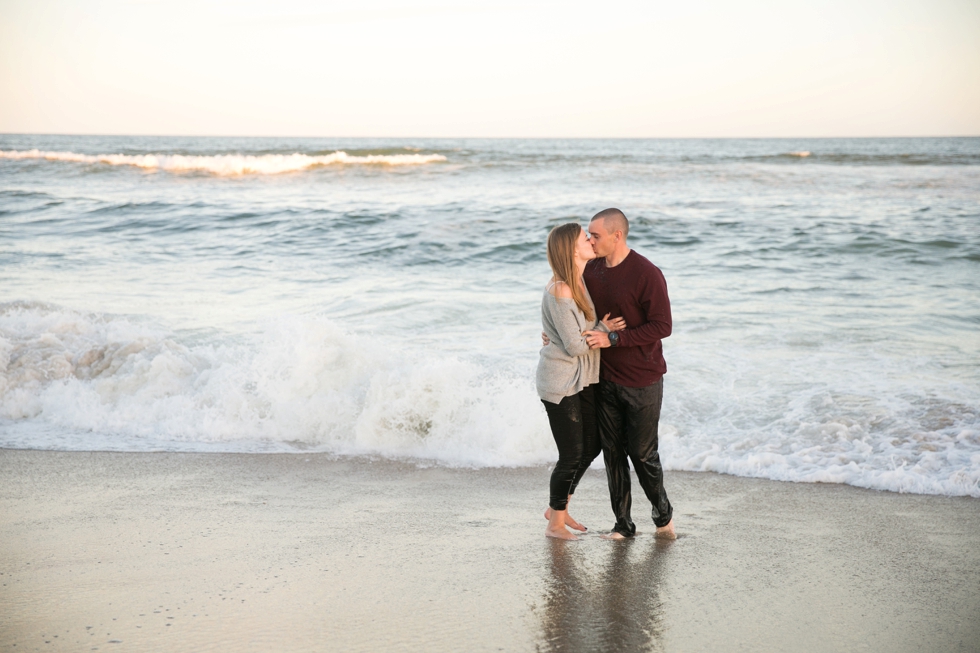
pixel 556 526
pixel 667 532
pixel 613 536
pixel 571 523
pixel 559 534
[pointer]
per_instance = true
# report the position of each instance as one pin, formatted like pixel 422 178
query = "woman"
pixel 568 370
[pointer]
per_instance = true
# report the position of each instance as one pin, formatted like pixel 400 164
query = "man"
pixel 630 393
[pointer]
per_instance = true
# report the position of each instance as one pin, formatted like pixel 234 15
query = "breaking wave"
pixel 76 381
pixel 299 385
pixel 228 164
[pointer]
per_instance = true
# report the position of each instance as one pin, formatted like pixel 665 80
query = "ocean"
pixel 381 298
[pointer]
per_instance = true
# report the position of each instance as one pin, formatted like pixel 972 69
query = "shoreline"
pixel 412 461
pixel 301 552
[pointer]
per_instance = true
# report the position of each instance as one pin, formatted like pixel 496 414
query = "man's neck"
pixel 617 257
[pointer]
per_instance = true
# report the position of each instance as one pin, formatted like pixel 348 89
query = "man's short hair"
pixel 613 220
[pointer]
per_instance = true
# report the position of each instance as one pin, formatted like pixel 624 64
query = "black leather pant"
pixel 628 421
pixel 573 426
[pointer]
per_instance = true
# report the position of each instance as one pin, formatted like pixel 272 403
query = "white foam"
pixel 70 380
pixel 303 384
pixel 867 422
pixel 228 164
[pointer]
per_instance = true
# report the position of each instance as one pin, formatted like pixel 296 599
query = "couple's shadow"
pixel 605 597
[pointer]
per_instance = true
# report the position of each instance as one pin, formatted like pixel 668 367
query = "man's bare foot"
pixel 559 534
pixel 571 523
pixel 667 532
pixel 613 536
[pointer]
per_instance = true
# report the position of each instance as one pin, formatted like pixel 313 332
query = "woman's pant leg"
pixel 591 447
pixel 566 427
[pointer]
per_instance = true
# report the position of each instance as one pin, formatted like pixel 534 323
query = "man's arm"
pixel 656 308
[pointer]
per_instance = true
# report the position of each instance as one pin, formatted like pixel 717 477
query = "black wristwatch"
pixel 613 339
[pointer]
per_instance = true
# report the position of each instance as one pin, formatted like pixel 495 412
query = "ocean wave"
pixel 228 164
pixel 838 448
pixel 831 415
pixel 301 384
pixel 864 159
pixel 76 381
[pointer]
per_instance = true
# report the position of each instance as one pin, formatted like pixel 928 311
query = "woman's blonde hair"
pixel 561 257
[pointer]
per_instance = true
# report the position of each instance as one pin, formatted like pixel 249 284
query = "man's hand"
pixel 545 340
pixel 597 339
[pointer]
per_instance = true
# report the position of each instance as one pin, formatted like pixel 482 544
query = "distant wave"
pixel 867 159
pixel 228 164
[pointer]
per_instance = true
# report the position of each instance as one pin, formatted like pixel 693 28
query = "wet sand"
pixel 222 552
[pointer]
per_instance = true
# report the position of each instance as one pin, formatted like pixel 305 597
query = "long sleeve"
pixel 567 326
pixel 656 308
pixel 636 291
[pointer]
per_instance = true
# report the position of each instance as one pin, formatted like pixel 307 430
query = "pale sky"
pixel 702 68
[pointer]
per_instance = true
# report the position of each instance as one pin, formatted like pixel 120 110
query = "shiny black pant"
pixel 573 426
pixel 628 421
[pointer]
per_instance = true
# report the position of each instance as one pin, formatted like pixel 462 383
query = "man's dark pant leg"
pixel 611 419
pixel 642 434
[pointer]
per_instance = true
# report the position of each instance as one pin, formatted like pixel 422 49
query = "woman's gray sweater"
pixel 566 364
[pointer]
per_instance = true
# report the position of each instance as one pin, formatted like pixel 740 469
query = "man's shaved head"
pixel 613 220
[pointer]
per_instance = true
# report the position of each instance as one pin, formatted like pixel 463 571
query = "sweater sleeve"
pixel 572 340
pixel 655 304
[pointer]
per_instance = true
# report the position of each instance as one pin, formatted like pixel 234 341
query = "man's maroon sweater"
pixel 636 291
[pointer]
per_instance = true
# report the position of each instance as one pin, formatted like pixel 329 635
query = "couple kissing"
pixel 601 379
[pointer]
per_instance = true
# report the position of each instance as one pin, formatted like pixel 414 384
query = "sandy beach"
pixel 224 552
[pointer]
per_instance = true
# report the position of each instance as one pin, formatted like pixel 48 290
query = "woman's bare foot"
pixel 667 532
pixel 560 534
pixel 571 523
pixel 556 526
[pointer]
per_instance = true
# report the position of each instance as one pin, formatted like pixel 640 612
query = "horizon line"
pixel 607 138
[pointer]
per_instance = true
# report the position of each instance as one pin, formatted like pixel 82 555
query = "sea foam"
pixel 228 164
pixel 76 381
pixel 301 384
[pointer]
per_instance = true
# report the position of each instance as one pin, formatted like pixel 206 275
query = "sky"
pixel 700 68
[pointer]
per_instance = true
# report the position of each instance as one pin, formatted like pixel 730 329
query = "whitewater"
pixel 381 298
pixel 227 164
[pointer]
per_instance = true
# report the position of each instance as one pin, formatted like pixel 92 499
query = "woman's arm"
pixel 564 320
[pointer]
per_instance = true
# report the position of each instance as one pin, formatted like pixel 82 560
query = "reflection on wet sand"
pixel 604 598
